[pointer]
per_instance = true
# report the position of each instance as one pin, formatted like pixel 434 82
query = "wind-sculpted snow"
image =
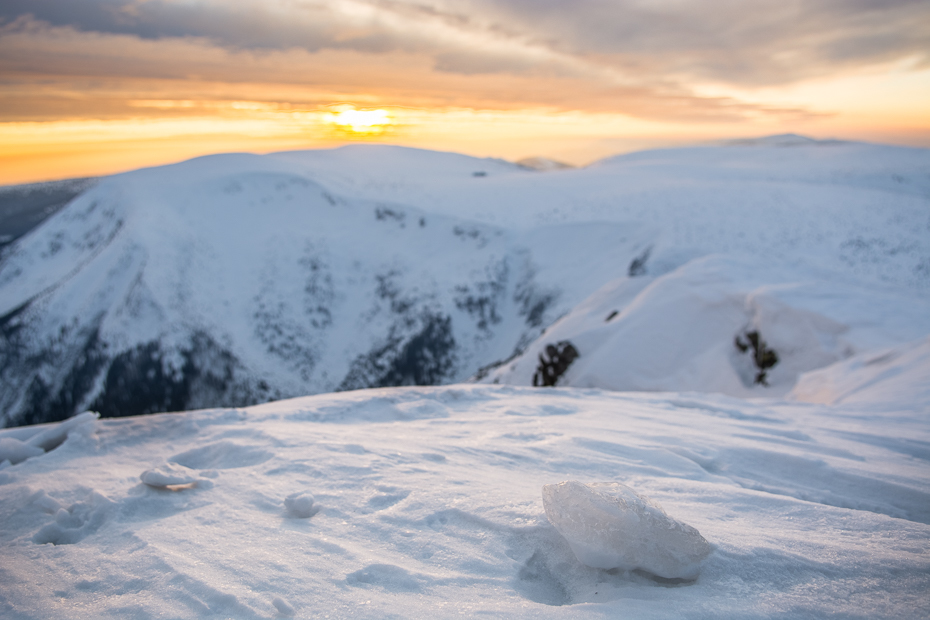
pixel 897 375
pixel 238 279
pixel 14 451
pixel 38 440
pixel 687 329
pixel 426 502
pixel 609 525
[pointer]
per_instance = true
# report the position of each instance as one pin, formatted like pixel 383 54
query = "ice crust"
pixel 609 525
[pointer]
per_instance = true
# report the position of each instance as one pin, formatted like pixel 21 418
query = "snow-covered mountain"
pixel 769 300
pixel 236 279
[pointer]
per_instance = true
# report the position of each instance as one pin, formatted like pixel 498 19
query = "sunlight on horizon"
pixel 362 123
pixel 39 151
pixel 170 130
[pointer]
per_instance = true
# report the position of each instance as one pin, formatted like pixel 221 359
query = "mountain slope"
pixel 232 280
pixel 236 279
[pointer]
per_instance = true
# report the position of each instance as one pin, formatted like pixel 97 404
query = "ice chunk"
pixel 609 525
pixel 300 504
pixel 16 451
pixel 169 476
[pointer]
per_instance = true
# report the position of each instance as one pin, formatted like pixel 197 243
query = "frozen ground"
pixel 427 502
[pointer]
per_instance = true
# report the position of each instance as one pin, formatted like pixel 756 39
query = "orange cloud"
pixel 132 82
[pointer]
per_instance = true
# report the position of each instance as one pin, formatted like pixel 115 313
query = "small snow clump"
pixel 609 525
pixel 283 607
pixel 299 504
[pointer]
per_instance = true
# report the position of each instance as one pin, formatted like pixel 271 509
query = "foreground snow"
pixel 416 502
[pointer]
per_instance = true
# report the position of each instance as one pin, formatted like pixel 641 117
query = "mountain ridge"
pixel 234 279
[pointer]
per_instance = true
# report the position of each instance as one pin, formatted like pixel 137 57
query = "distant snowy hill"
pixel 237 279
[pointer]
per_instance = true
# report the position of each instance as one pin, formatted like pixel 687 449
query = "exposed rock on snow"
pixel 553 363
pixel 762 356
pixel 609 525
pixel 638 265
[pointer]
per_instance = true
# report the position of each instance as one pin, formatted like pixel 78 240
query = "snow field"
pixel 429 503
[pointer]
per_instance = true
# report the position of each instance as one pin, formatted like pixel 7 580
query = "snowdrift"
pixel 428 502
pixel 897 377
pixel 687 330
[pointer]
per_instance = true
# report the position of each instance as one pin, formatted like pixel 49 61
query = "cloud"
pixel 743 42
pixel 643 58
pixel 62 73
pixel 746 42
pixel 246 25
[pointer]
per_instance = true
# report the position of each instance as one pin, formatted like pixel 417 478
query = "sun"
pixel 347 119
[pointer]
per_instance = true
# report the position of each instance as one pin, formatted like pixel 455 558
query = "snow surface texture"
pixel 609 525
pixel 428 505
pixel 237 279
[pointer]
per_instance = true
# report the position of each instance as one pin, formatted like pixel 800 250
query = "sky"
pixel 90 87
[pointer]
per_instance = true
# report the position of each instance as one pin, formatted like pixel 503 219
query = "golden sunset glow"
pixel 91 91
pixel 367 123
